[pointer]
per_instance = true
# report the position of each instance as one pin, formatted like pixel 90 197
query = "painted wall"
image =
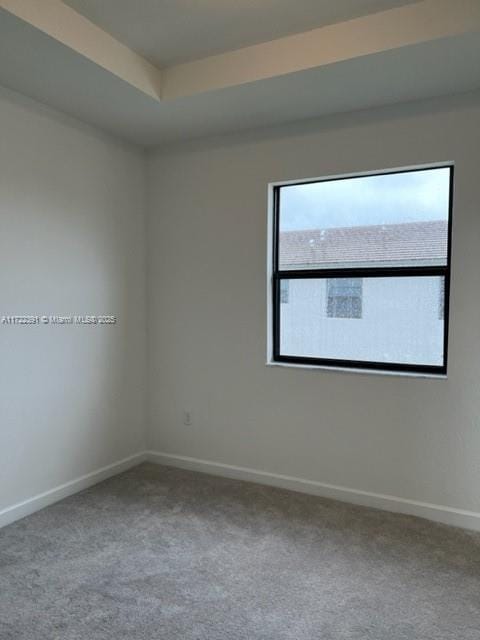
pixel 407 437
pixel 72 397
pixel 71 242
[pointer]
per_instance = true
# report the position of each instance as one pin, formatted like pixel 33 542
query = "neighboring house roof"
pixel 412 242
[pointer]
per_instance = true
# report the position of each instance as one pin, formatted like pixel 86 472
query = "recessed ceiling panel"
pixel 40 66
pixel 172 31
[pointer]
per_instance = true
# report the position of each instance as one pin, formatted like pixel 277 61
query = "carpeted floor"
pixel 163 554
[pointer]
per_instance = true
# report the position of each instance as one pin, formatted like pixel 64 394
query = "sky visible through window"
pixel 396 198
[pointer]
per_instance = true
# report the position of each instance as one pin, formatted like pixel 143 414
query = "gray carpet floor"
pixel 163 554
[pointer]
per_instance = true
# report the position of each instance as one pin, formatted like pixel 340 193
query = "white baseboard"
pixel 437 513
pixel 29 506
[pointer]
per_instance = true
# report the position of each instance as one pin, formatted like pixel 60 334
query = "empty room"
pixel 240 319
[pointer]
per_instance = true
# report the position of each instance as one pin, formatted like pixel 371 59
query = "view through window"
pixel 361 272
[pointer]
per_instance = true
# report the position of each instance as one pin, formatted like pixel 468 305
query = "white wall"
pixel 71 242
pixel 408 437
pixel 72 234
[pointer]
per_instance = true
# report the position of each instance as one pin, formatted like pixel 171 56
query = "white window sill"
pixel 375 372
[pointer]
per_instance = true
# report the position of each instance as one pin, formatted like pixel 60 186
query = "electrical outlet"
pixel 187 417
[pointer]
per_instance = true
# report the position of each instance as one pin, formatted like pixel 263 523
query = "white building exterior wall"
pixel 401 322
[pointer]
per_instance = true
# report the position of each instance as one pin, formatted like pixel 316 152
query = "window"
pixel 441 299
pixel 364 265
pixel 284 292
pixel 344 297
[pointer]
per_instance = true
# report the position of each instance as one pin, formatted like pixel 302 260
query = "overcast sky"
pixel 387 199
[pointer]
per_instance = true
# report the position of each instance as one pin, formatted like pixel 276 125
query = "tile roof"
pixel 411 242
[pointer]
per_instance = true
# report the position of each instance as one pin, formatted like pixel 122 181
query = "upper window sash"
pixel 352 223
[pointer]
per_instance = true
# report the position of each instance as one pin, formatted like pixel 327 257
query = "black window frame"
pixel 359 272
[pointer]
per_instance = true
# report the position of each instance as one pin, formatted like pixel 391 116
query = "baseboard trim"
pixel 42 500
pixel 437 513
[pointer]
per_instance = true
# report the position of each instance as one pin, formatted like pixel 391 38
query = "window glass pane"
pixel 397 219
pixel 392 320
